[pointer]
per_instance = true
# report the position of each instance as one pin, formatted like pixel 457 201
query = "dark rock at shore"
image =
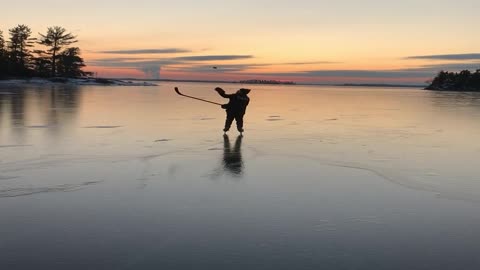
pixel 452 88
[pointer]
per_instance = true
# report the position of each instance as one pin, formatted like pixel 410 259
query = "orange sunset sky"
pixel 368 41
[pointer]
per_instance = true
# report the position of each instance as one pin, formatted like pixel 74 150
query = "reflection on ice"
pixel 232 157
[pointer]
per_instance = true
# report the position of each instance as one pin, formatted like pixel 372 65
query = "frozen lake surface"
pixel 96 177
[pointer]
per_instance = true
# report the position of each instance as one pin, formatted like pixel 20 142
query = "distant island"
pixel 267 82
pixel 464 80
pixel 379 85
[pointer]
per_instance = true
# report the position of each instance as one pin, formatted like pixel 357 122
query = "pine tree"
pixel 70 63
pixel 56 39
pixel 42 63
pixel 2 44
pixel 19 49
pixel 3 56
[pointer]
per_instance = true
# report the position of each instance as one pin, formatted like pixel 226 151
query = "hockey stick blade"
pixel 178 91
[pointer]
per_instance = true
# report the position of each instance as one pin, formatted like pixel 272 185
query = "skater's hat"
pixel 244 91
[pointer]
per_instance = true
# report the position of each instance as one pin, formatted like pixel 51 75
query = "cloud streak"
pixel 152 67
pixel 197 65
pixel 213 57
pixel 385 74
pixel 465 56
pixel 412 73
pixel 308 63
pixel 217 69
pixel 131 61
pixel 147 51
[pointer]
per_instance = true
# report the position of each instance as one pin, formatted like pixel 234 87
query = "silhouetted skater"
pixel 235 108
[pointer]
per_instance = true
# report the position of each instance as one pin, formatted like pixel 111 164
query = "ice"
pixel 142 178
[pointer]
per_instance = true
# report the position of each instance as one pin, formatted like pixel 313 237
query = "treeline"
pixel 48 55
pixel 464 80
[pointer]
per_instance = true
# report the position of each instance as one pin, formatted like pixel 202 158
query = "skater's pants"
pixel 238 118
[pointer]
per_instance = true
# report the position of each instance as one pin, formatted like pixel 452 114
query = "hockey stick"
pixel 178 92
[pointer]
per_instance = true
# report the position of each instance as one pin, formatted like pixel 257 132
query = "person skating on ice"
pixel 235 108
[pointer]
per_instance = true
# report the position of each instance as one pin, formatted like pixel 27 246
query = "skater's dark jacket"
pixel 238 102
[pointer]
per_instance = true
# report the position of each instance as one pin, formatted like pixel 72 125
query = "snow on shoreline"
pixel 83 81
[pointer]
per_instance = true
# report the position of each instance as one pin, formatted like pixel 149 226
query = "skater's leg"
pixel 239 120
pixel 228 121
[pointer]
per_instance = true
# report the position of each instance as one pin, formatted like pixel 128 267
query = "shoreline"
pixel 151 82
pixel 73 81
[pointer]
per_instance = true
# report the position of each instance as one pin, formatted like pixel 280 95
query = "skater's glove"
pixel 220 90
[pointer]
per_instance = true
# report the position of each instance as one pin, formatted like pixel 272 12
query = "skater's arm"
pixel 221 92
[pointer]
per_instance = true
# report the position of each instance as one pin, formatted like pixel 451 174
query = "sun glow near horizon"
pixel 305 41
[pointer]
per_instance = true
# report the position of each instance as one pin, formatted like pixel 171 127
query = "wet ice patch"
pixel 163 140
pixel 103 127
pixel 5 177
pixel 274 118
pixel 25 191
pixel 39 126
pixel 15 145
pixel 325 226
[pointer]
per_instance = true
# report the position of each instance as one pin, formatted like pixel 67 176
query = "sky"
pixel 310 41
